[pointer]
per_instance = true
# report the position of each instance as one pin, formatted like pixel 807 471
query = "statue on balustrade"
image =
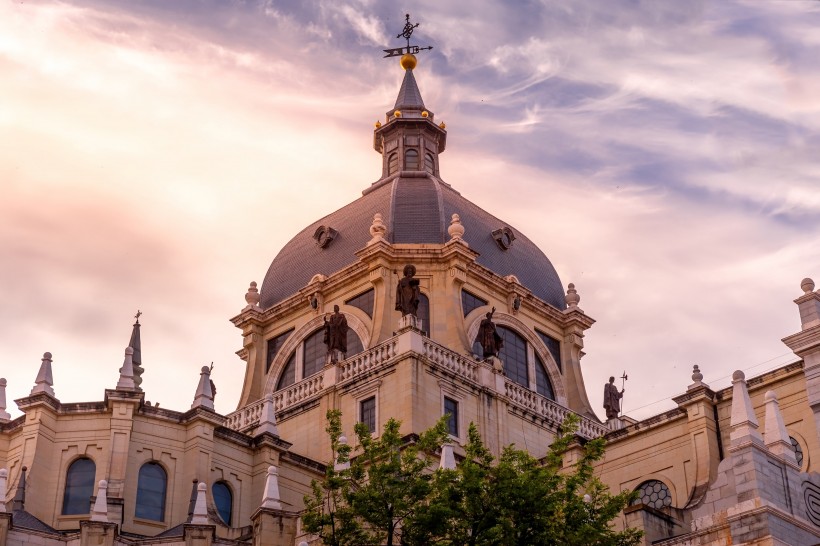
pixel 336 334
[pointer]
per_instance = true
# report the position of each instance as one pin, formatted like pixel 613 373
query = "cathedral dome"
pixel 416 207
pixel 416 211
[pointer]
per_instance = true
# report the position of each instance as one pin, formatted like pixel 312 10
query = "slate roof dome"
pixel 416 206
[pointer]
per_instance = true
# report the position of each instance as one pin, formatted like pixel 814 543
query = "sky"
pixel 156 155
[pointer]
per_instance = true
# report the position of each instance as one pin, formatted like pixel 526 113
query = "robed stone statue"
pixel 407 292
pixel 488 337
pixel 612 399
pixel 336 334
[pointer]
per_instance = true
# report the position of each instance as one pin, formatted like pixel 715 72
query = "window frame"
pixel 67 487
pixel 227 486
pixel 164 505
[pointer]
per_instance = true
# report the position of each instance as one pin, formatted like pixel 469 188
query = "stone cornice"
pixel 803 341
pixel 647 424
pixel 39 399
pixel 700 393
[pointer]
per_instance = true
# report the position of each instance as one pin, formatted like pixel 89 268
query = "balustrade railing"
pixel 453 362
pixel 546 408
pixel 367 361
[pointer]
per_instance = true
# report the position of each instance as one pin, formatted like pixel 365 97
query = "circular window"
pixel 798 451
pixel 654 493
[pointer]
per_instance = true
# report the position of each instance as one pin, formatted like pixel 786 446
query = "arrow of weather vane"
pixel 406 33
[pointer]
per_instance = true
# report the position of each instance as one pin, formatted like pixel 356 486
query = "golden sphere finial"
pixel 408 61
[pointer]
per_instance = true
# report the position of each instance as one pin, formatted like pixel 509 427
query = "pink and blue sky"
pixel 157 155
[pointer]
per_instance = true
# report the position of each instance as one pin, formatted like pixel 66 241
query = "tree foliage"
pixel 394 494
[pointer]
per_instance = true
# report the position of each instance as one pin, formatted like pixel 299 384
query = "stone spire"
pixel 19 502
pixel 267 421
pixel 100 510
pixel 448 460
pixel 775 435
pixel 4 475
pixel 271 498
pixel 204 396
pixel 136 345
pixel 4 415
pixel 44 381
pixel 127 371
pixel 200 516
pixel 743 424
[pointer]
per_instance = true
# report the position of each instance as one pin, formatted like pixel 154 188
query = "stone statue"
pixel 488 337
pixel 407 292
pixel 612 399
pixel 336 334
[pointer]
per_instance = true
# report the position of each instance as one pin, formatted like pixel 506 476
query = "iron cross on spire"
pixel 406 33
pixel 138 315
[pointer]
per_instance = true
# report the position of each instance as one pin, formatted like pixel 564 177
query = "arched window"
pixel 653 493
pixel 542 381
pixel 314 355
pixel 79 487
pixel 514 356
pixel 411 160
pixel 423 312
pixel 288 376
pixel 392 163
pixel 151 486
pixel 429 163
pixel 223 499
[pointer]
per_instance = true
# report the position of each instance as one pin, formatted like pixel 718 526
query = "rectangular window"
pixel 451 408
pixel 367 413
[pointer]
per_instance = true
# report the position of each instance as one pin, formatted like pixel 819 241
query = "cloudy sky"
pixel 157 155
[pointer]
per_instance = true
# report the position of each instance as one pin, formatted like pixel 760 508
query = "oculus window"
pixel 151 487
pixel 654 493
pixel 223 499
pixel 79 487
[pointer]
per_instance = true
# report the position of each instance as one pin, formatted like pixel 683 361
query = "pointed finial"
pixel 743 424
pixel 377 229
pixel 100 510
pixel 44 381
pixel 4 476
pixel 200 516
pixel 456 229
pixel 136 357
pixel 572 298
pixel 448 460
pixel 252 295
pixel 127 371
pixel 204 396
pixel 4 415
pixel 267 421
pixel 271 498
pixel 775 435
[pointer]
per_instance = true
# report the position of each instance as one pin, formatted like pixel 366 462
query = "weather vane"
pixel 406 33
pixel 138 315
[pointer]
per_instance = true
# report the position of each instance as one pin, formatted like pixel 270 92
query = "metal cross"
pixel 138 315
pixel 406 33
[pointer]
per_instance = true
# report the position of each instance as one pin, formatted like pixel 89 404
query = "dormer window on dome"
pixel 324 235
pixel 504 237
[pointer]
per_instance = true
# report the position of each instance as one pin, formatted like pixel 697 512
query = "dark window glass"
pixel 392 163
pixel 367 413
pixel 451 408
pixel 315 353
pixel 798 451
pixel 79 487
pixel 470 302
pixel 514 356
pixel 429 163
pixel 354 344
pixel 363 301
pixel 274 345
pixel 288 376
pixel 653 493
pixel 542 380
pixel 554 347
pixel 151 492
pixel 223 499
pixel 411 160
pixel 423 312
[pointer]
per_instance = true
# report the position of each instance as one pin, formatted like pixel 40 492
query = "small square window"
pixel 367 413
pixel 451 408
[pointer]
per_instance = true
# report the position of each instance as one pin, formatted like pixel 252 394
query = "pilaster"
pixel 122 404
pixel 699 403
